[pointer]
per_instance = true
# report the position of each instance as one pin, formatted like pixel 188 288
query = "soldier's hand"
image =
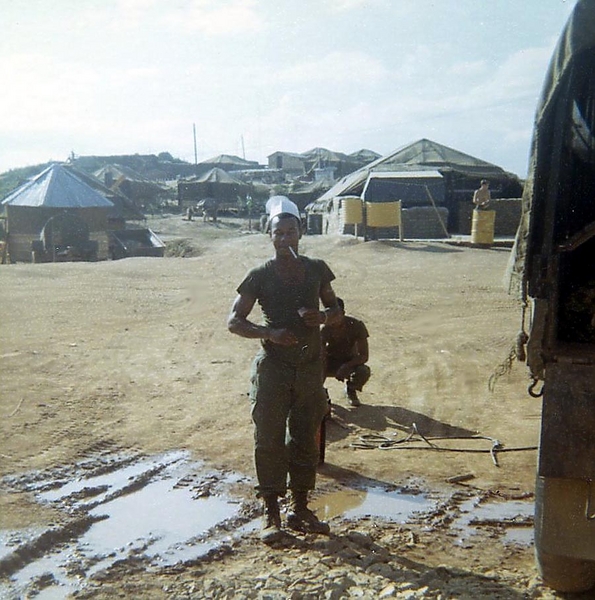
pixel 310 316
pixel 283 337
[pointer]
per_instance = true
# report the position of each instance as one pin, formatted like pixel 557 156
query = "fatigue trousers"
pixel 288 405
pixel 358 377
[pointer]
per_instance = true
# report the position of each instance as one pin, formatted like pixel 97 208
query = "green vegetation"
pixel 163 165
pixel 12 179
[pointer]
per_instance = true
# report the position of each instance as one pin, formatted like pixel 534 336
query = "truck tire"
pixel 566 574
pixel 555 506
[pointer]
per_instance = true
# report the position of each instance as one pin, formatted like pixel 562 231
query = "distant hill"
pixel 15 177
pixel 151 166
pixel 155 167
pixel 158 167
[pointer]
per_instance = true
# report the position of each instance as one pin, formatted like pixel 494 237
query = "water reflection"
pixel 373 501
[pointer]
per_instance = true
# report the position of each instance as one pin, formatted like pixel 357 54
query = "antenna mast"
pixel 195 153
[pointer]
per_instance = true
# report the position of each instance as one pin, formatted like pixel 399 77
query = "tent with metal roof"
pixel 56 187
pixel 461 175
pixel 55 192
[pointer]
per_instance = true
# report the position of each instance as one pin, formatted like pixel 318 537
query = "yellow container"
pixel 482 227
pixel 383 214
pixel 352 210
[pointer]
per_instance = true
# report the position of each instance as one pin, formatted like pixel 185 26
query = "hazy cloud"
pixel 347 5
pixel 337 68
pixel 122 76
pixel 223 17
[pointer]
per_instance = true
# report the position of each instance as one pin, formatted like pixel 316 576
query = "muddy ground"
pixel 120 376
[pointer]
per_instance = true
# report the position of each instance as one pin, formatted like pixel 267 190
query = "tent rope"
pixel 373 441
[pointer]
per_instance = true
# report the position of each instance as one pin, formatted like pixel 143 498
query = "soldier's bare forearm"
pixel 332 315
pixel 248 329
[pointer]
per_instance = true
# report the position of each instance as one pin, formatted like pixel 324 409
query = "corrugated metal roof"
pixel 56 187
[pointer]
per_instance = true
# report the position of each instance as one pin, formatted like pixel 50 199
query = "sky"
pixel 105 77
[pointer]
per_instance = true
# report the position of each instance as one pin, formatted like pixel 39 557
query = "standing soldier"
pixel 287 393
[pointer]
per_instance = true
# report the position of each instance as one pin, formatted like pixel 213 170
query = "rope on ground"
pixel 503 368
pixel 374 441
pixel 16 410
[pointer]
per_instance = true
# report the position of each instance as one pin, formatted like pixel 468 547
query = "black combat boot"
pixel 351 394
pixel 271 522
pixel 302 518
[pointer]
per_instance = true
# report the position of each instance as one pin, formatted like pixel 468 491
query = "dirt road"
pixel 121 365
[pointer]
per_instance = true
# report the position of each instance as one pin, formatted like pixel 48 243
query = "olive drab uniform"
pixel 287 393
pixel 340 346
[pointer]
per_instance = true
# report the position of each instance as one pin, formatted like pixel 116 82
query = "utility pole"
pixel 195 153
pixel 243 149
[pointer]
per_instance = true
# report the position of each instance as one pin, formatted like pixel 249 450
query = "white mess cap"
pixel 277 205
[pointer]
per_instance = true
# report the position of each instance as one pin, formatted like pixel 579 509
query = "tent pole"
pixel 437 213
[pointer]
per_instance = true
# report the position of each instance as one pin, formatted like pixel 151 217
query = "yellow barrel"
pixel 383 214
pixel 352 210
pixel 482 227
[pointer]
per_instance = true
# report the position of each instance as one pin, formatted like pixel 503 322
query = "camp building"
pixel 217 184
pixel 57 209
pixel 434 184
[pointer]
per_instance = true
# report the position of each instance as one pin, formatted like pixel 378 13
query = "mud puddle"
pixel 165 510
pixel 373 501
pixel 125 507
pixel 511 520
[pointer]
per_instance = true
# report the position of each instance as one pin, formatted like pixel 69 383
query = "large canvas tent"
pixel 321 158
pixel 364 156
pixel 413 188
pixel 123 208
pixel 141 191
pixel 226 162
pixel 55 193
pixel 217 184
pixel 461 175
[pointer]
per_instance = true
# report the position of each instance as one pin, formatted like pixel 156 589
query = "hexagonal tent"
pixel 55 196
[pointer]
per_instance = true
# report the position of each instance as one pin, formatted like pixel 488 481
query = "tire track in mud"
pixel 121 488
pixel 101 457
pixel 77 424
pixel 45 543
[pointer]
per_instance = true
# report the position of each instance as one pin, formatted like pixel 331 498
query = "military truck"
pixel 553 262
